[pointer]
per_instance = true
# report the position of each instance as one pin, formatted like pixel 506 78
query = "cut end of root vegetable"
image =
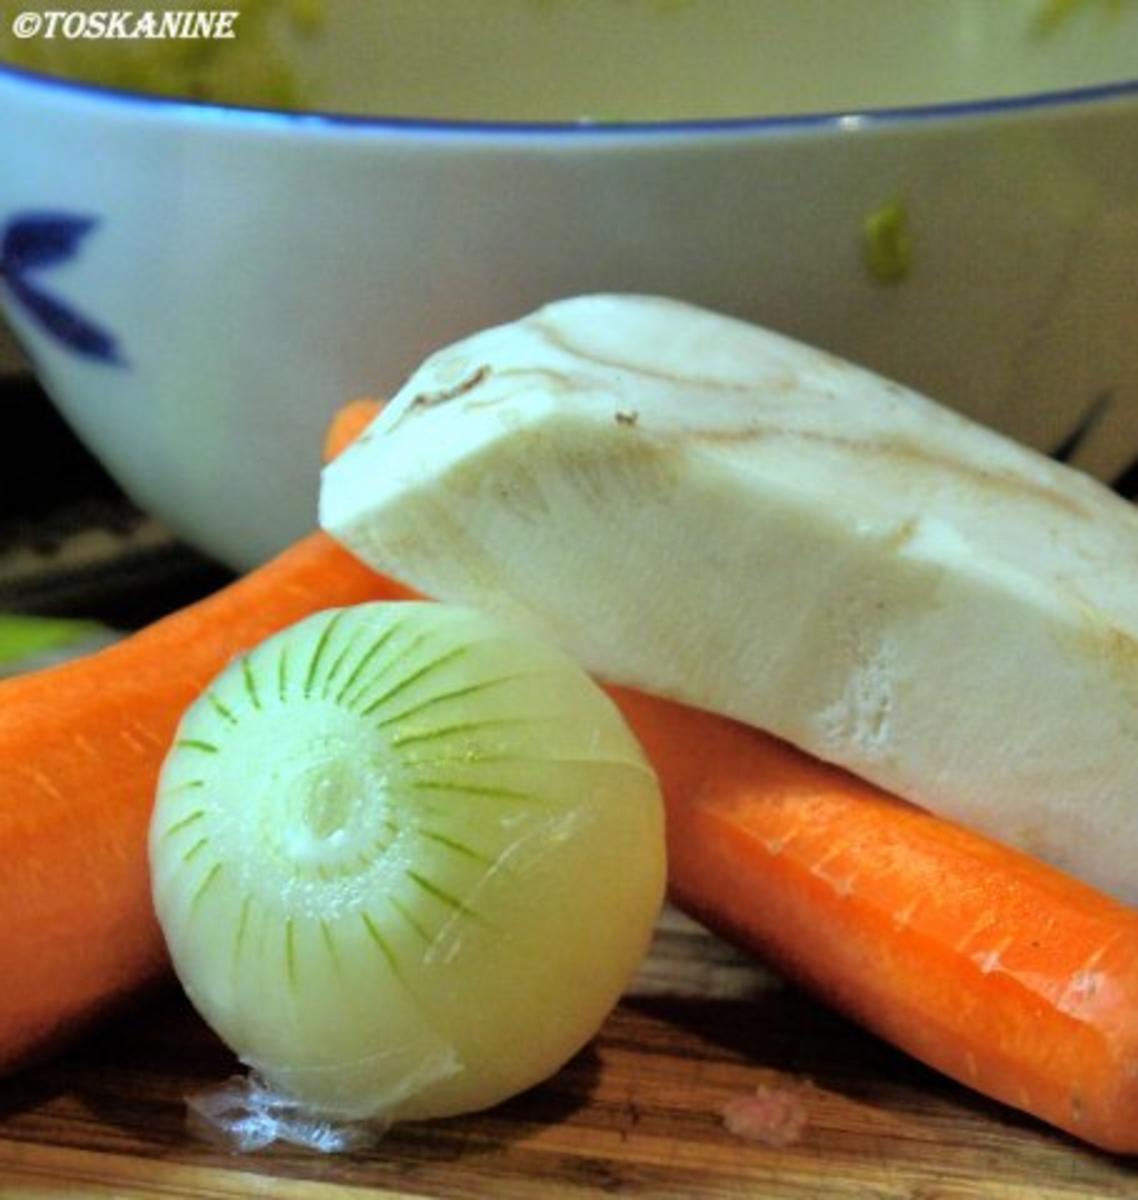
pixel 406 859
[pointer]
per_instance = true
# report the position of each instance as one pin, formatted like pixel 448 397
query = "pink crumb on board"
pixel 772 1115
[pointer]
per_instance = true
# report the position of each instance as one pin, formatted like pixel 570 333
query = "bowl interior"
pixel 622 60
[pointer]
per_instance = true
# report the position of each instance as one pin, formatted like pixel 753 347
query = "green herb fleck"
pixel 888 243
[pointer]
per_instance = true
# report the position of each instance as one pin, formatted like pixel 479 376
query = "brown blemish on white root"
pixel 431 399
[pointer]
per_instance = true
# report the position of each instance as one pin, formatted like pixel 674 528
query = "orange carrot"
pixel 80 749
pixel 976 959
pixel 349 421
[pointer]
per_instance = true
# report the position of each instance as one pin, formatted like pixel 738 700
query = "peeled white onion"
pixel 406 859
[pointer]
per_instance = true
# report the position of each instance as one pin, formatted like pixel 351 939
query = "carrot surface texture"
pixel 978 960
pixel 80 749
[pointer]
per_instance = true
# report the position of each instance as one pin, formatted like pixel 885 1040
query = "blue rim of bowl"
pixel 828 119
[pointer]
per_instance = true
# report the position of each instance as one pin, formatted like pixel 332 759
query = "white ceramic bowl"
pixel 199 287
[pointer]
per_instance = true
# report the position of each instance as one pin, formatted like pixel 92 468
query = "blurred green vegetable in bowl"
pixel 252 68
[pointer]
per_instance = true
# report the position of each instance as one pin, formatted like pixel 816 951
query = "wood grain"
pixel 638 1113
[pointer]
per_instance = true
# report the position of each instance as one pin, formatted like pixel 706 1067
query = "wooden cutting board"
pixel 639 1113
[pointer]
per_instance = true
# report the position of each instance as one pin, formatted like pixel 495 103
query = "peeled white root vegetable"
pixel 406 860
pixel 706 510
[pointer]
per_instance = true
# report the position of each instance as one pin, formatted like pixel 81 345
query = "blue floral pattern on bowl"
pixel 32 242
